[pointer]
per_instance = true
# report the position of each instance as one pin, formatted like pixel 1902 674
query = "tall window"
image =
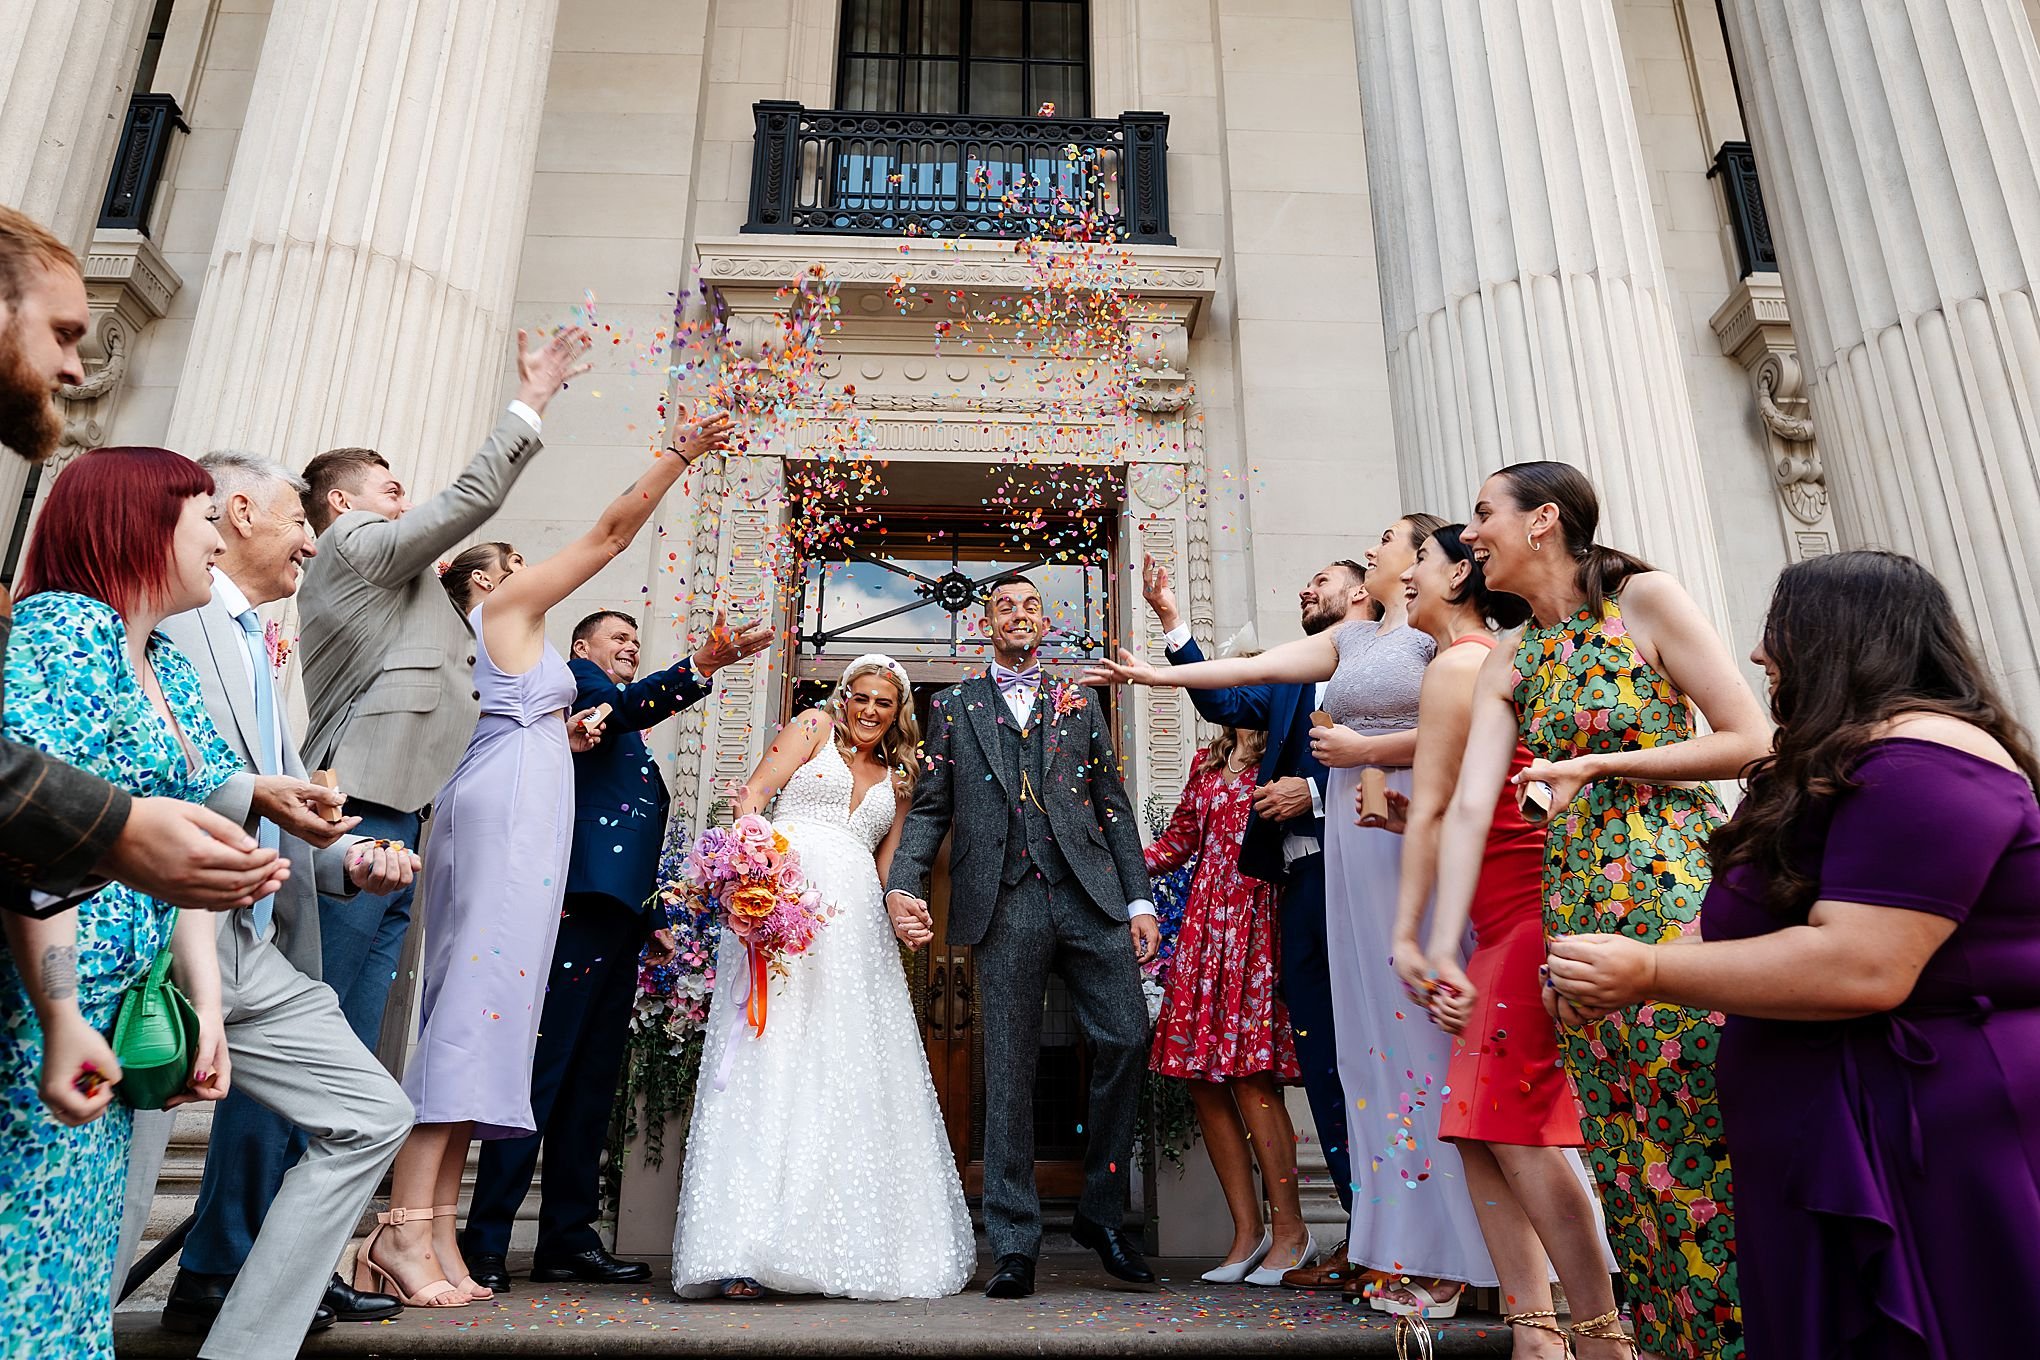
pixel 998 58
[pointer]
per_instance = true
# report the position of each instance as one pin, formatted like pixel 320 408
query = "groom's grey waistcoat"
pixel 973 782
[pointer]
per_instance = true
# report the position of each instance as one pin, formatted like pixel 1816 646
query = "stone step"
pixel 1077 1311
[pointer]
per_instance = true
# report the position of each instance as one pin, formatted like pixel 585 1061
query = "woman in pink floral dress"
pixel 1222 1028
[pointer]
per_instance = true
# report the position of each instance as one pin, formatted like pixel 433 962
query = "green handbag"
pixel 155 1037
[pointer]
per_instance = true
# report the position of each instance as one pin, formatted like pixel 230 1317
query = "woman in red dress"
pixel 1511 1110
pixel 1222 1028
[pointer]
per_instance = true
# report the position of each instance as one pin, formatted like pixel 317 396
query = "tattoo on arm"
pixel 60 972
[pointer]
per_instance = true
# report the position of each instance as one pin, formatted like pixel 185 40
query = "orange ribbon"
pixel 754 1008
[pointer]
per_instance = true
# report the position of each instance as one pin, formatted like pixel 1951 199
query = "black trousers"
pixel 1305 979
pixel 1038 928
pixel 574 1072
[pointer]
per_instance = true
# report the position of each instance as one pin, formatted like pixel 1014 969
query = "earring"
pixel 1531 539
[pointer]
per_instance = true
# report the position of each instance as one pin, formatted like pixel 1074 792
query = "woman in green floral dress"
pixel 1598 689
pixel 125 540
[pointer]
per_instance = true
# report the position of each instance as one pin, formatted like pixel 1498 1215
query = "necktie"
pixel 266 832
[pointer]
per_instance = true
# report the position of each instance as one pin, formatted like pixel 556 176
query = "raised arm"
pixel 1302 662
pixel 1663 617
pixel 1444 713
pixel 797 743
pixel 522 599
pixel 390 552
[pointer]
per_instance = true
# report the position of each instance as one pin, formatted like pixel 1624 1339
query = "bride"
pixel 817 1161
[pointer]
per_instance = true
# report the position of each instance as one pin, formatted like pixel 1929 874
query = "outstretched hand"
pixel 543 369
pixel 694 440
pixel 728 644
pixel 1159 593
pixel 1127 670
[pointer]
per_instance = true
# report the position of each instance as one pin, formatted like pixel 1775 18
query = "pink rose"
pixel 1658 1176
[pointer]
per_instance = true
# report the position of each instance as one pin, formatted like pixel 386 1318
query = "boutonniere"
pixel 277 645
pixel 1065 699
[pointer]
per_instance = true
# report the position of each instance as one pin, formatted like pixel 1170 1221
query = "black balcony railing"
pixel 901 174
pixel 138 163
pixel 1735 165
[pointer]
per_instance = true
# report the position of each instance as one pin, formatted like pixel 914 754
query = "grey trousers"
pixel 291 1049
pixel 1038 928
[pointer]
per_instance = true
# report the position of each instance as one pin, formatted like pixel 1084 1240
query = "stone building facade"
pixel 1394 244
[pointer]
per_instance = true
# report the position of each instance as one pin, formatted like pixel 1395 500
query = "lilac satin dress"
pixel 495 874
pixel 1887 1169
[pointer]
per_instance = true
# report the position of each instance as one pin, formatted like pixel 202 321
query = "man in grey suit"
pixel 388 665
pixel 1046 874
pixel 293 1054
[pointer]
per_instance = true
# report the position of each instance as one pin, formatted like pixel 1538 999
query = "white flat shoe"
pixel 1428 1306
pixel 1271 1277
pixel 1235 1271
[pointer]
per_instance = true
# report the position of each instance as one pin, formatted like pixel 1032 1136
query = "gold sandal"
pixel 1542 1322
pixel 1607 1327
pixel 373 1278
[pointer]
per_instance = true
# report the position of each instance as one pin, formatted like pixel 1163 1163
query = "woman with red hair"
pixel 126 540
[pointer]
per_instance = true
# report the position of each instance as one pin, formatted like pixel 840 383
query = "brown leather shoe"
pixel 1329 1273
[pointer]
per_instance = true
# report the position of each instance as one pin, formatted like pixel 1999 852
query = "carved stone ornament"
pixel 128 284
pixel 1755 329
pixel 1156 486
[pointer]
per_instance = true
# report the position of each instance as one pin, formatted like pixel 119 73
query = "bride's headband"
pixel 880 661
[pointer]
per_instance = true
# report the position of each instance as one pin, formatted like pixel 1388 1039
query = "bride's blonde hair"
pixel 899 748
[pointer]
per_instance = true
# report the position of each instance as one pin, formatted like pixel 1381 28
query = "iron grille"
pixel 139 162
pixel 1735 165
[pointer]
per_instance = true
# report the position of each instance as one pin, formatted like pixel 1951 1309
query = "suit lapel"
pixel 229 658
pixel 985 708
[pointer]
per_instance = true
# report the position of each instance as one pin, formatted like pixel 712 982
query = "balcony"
pixel 846 173
pixel 139 160
pixel 1735 165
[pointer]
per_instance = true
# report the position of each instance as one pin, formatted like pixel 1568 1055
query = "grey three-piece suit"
pixel 290 1047
pixel 1045 858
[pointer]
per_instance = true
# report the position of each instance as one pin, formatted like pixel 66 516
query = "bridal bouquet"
pixel 750 876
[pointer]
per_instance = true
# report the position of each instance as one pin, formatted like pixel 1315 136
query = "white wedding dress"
pixel 822 1166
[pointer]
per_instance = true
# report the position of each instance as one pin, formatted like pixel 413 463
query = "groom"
pixel 1047 875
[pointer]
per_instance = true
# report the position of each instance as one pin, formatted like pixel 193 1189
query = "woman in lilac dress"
pixel 1874 934
pixel 494 878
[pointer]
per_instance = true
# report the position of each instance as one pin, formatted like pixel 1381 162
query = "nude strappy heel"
pixel 1607 1327
pixel 467 1284
pixel 372 1278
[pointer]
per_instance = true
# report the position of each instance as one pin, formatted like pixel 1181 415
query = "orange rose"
pixel 755 901
pixel 780 843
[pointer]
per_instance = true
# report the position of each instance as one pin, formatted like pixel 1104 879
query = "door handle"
pixel 959 995
pixel 938 997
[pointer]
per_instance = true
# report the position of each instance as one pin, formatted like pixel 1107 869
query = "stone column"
pixel 1525 302
pixel 360 287
pixel 67 68
pixel 1899 145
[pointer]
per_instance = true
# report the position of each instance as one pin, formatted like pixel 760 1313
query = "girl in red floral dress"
pixel 1222 1028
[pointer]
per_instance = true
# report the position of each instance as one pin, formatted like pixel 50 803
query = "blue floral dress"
pixel 72 692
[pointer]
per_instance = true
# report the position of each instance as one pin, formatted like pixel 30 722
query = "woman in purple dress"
pixel 1874 934
pixel 494 877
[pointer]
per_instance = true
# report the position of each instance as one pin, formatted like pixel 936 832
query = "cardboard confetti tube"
pixel 594 717
pixel 326 779
pixel 1374 796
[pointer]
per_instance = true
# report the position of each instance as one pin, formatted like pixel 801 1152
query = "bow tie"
pixel 1008 680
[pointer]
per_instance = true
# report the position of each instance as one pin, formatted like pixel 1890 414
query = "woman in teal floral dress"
pixel 1598 687
pixel 125 540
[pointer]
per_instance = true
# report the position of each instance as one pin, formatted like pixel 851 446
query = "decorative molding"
pixel 128 284
pixel 1157 486
pixel 746 527
pixel 692 795
pixel 1754 327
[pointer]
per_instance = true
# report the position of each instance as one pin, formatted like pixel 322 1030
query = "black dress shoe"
pixel 488 1271
pixel 1115 1249
pixel 593 1266
pixel 195 1301
pixel 1014 1279
pixel 348 1304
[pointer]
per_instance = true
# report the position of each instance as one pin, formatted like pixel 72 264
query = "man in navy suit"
pixel 1284 845
pixel 619 825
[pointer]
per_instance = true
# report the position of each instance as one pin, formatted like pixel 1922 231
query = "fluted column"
pixel 360 287
pixel 1525 302
pixel 1899 145
pixel 67 68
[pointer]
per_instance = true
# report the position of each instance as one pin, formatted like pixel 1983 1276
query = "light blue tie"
pixel 266 833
